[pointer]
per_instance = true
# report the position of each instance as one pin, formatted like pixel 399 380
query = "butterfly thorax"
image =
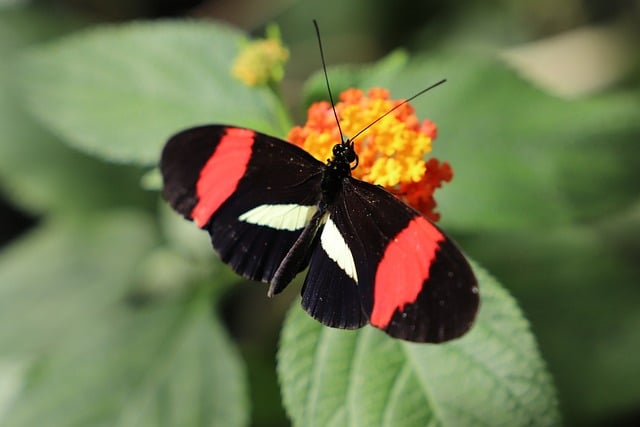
pixel 338 168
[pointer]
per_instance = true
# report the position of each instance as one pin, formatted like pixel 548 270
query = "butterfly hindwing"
pixel 253 193
pixel 330 293
pixel 413 281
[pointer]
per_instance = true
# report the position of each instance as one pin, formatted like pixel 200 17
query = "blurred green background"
pixel 540 119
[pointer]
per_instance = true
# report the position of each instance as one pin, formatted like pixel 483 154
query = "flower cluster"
pixel 391 152
pixel 261 62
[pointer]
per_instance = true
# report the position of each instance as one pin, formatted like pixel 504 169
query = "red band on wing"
pixel 403 269
pixel 220 175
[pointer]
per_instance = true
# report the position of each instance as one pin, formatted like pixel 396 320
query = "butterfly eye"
pixel 350 154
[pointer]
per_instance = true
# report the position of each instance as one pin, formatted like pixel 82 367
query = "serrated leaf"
pixel 492 376
pixel 580 291
pixel 119 92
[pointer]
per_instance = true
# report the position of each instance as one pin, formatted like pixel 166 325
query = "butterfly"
pixel 273 210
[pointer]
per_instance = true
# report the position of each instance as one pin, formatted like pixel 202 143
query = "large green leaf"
pixel 492 376
pixel 77 350
pixel 41 174
pixel 581 292
pixel 119 92
pixel 166 364
pixel 37 171
pixel 64 272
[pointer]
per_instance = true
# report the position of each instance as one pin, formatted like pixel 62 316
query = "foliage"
pixel 112 305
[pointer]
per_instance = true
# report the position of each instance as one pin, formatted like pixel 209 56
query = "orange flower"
pixel 391 152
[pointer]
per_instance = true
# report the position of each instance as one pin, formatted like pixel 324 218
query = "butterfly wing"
pixel 413 282
pixel 330 292
pixel 253 193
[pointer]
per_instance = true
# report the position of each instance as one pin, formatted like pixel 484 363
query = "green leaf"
pixel 166 364
pixel 42 175
pixel 78 350
pixel 64 271
pixel 494 375
pixel 119 92
pixel 36 171
pixel 581 292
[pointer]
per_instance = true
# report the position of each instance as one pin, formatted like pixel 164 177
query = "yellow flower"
pixel 391 152
pixel 262 61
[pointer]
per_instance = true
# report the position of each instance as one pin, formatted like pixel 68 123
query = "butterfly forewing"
pixel 253 193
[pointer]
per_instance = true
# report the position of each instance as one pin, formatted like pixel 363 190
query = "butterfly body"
pixel 273 210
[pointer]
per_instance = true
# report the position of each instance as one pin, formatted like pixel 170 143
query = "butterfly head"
pixel 344 155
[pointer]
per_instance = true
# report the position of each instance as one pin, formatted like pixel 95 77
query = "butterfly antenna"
pixel 396 107
pixel 326 77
